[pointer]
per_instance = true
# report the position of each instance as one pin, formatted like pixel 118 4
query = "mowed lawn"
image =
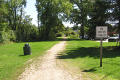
pixel 83 55
pixel 12 60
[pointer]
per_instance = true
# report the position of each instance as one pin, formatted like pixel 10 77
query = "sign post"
pixel 101 50
pixel 101 32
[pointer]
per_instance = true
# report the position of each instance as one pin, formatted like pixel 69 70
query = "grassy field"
pixel 83 56
pixel 12 59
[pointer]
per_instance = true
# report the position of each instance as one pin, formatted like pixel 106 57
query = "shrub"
pixel 51 35
pixel 74 36
pixel 4 36
pixel 12 35
pixel 60 34
pixel 7 36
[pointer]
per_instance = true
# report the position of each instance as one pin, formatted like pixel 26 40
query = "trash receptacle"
pixel 27 49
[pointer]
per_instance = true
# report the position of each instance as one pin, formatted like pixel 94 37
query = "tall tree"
pixel 115 10
pixel 49 14
pixel 79 14
pixel 14 24
pixel 98 16
pixel 14 7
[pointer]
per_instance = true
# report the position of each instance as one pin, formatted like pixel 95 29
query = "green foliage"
pixel 6 34
pixel 79 14
pixel 3 26
pixel 51 35
pixel 60 34
pixel 12 35
pixel 27 33
pixel 98 16
pixel 69 32
pixel 14 26
pixel 50 15
pixel 75 36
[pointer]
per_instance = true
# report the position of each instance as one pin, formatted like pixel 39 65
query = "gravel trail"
pixel 47 69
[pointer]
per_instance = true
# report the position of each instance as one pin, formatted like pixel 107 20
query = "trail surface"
pixel 47 69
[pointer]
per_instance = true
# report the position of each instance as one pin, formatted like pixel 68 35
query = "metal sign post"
pixel 101 32
pixel 101 52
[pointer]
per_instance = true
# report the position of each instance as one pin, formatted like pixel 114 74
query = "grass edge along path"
pixel 83 57
pixel 12 60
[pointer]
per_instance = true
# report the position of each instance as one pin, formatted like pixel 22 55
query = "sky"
pixel 31 10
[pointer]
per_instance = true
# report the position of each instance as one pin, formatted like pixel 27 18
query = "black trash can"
pixel 27 49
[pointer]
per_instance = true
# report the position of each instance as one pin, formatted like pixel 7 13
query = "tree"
pixel 13 24
pixel 98 16
pixel 79 14
pixel 14 7
pixel 50 14
pixel 115 8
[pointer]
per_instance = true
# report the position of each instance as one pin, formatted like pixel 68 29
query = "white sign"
pixel 101 32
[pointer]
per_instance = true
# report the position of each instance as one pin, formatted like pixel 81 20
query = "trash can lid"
pixel 26 44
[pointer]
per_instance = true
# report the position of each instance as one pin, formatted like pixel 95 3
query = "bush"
pixel 12 35
pixel 7 36
pixel 51 35
pixel 74 36
pixel 60 34
pixel 4 36
pixel 3 26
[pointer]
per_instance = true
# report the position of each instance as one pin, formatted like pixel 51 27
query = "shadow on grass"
pixel 108 52
pixel 68 39
pixel 90 70
pixel 23 55
pixel 57 39
pixel 94 52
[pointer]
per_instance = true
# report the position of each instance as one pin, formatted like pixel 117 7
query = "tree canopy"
pixel 50 15
pixel 15 25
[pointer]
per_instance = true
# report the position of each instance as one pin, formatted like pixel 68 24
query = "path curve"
pixel 47 69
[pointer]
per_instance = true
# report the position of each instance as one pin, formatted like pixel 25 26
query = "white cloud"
pixel 68 24
pixel 31 10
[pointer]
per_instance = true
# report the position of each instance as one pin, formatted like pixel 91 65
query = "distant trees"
pixel 80 12
pixel 14 25
pixel 115 7
pixel 92 13
pixel 98 16
pixel 85 14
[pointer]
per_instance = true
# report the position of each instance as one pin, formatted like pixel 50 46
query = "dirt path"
pixel 47 69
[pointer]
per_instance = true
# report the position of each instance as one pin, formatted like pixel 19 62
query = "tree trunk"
pixel 82 31
pixel 118 4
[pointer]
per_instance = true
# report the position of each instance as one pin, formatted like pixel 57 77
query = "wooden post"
pixel 101 52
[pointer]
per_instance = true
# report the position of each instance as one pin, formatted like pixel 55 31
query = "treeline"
pixel 85 14
pixel 14 24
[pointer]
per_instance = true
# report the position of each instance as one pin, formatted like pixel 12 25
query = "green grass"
pixel 12 60
pixel 84 55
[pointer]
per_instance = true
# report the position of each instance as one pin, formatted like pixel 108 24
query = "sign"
pixel 101 32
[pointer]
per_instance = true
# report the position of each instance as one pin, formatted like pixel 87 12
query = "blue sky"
pixel 31 10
